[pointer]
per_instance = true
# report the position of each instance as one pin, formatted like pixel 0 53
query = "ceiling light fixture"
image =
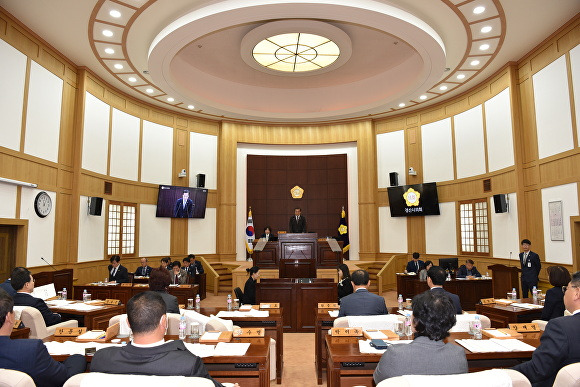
pixel 170 99
pixel 109 51
pixel 486 29
pixel 478 10
pixel 443 88
pixel 460 76
pixel 423 97
pixel 132 79
pixel 114 13
pixel 474 62
pixel 402 105
pixel 190 107
pixel 149 91
pixel 484 47
pixel 108 33
pixel 118 66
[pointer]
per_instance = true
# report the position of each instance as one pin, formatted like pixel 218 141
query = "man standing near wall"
pixel 531 266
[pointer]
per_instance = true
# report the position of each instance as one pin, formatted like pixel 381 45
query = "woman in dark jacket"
pixel 159 281
pixel 250 287
pixel 344 284
pixel 554 303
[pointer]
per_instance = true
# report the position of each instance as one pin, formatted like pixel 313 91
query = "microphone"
pixel 54 268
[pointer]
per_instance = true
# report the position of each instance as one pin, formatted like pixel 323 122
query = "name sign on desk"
pixel 524 327
pixel 69 332
pixel 342 332
pixel 269 305
pixel 185 286
pixel 110 301
pixel 487 301
pixel 328 305
pixel 249 332
pixel 127 284
pixel 16 324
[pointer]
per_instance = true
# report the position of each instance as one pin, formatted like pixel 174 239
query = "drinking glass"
pixel 398 326
pixel 190 303
pixel 194 330
pixel 88 297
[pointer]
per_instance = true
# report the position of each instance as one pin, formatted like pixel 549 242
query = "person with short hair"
pixel 344 282
pixel 250 286
pixel 30 355
pixel 177 274
pixel 423 272
pixel 297 222
pixel 117 272
pixel 159 281
pixel 268 235
pixel 183 206
pixel 192 265
pixel 433 317
pixel 148 353
pixel 468 270
pixel 559 342
pixel 361 302
pixel 23 283
pixel 415 265
pixel 554 307
pixel 165 263
pixel 8 287
pixel 144 270
pixel 530 264
pixel 436 280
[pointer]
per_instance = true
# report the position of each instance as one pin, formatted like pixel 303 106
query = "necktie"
pixel 114 271
pixel 417 265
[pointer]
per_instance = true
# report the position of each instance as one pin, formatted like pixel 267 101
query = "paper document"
pixel 59 303
pixel 494 345
pixel 245 313
pixel 201 350
pixel 333 313
pixel 496 333
pixel 211 336
pixel 527 306
pixel 44 292
pixel 72 348
pixel 81 307
pixel 376 335
pixel 92 335
pixel 231 349
pixel 364 346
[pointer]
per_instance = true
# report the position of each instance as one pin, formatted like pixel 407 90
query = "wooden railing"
pixel 386 277
pixel 211 276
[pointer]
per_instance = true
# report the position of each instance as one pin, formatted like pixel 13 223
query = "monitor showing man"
pixel 184 206
pixel 297 222
pixel 361 302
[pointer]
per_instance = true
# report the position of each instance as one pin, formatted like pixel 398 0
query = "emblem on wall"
pixel 296 192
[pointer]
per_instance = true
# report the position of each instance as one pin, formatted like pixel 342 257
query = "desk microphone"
pixel 54 268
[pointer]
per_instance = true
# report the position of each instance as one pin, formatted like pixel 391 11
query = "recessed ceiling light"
pixel 170 99
pixel 474 62
pixel 149 91
pixel 115 13
pixel 118 66
pixel 132 79
pixel 460 76
pixel 443 87
pixel 401 105
pixel 108 33
pixel 423 97
pixel 486 29
pixel 478 10
pixel 109 51
pixel 484 47
pixel 190 107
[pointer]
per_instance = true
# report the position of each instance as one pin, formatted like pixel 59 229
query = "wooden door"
pixel 7 251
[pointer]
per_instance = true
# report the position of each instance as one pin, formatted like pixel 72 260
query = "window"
pixel 121 229
pixel 474 227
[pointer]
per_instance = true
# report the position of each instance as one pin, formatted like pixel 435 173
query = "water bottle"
pixel 400 301
pixel 448 276
pixel 182 327
pixel 477 328
pixel 85 295
pixel 514 293
pixel 486 274
pixel 197 303
pixel 535 294
pixel 229 302
pixel 64 293
pixel 408 330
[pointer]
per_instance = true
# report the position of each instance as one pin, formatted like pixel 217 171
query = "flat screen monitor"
pixel 181 202
pixel 414 200
pixel 450 264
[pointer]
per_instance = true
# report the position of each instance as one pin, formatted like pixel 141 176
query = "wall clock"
pixel 42 204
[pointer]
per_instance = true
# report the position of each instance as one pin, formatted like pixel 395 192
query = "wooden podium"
pixel 504 279
pixel 298 253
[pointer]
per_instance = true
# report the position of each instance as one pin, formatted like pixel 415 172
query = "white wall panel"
pixel 156 153
pixel 552 103
pixel 469 145
pixel 125 145
pixel 95 134
pixel 575 68
pixel 8 193
pixel 559 251
pixel 391 157
pixel 201 238
pixel 154 233
pixel 440 231
pixel 437 146
pixel 498 126
pixel 40 230
pixel 91 233
pixel 12 78
pixel 504 230
pixel 392 232
pixel 203 159
pixel 43 113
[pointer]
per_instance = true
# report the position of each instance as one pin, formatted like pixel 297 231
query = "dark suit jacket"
pixel 30 356
pixel 171 358
pixel 7 286
pixel 297 226
pixel 272 238
pixel 195 265
pixel 411 267
pixel 181 212
pixel 554 304
pixel 453 297
pixel 362 303
pixel 344 288
pixel 530 274
pixel 250 292
pixel 170 301
pixel 462 272
pixel 121 276
pixel 25 299
pixel 558 348
pixel 139 271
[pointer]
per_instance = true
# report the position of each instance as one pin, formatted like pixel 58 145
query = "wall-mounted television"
pixel 181 202
pixel 414 200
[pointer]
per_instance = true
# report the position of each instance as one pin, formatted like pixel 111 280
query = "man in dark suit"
pixel 531 266
pixel 117 272
pixel 7 286
pixel 559 342
pixel 268 235
pixel 415 265
pixel 184 206
pixel 361 302
pixel 468 270
pixel 144 270
pixel 297 222
pixel 23 282
pixel 30 355
pixel 435 281
pixel 192 265
pixel 148 354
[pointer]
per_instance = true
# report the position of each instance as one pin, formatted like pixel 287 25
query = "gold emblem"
pixel 342 229
pixel 411 197
pixel 297 192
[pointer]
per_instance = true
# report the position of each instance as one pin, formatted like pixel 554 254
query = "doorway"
pixel 7 250
pixel 575 231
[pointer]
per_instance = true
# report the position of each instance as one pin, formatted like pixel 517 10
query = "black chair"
pixel 239 294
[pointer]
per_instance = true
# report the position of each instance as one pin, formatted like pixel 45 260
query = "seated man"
pixel 415 265
pixel 23 283
pixel 435 281
pixel 433 316
pixel 192 265
pixel 361 302
pixel 177 274
pixel 8 287
pixel 468 270
pixel 559 342
pixel 148 353
pixel 117 272
pixel 144 270
pixel 30 355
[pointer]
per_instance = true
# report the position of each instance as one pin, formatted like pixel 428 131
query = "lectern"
pixel 504 279
pixel 298 255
